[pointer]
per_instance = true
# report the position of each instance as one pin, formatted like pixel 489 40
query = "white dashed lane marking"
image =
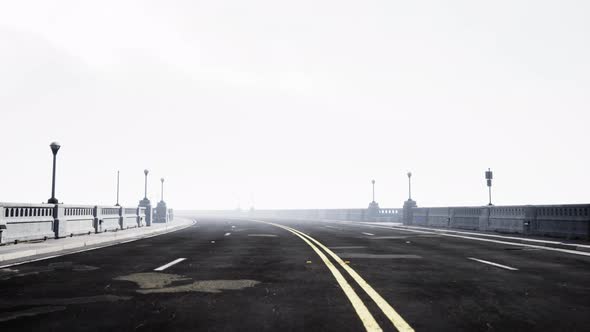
pixel 494 264
pixel 164 267
pixel 369 234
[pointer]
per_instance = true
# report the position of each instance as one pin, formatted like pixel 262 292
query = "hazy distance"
pixel 296 104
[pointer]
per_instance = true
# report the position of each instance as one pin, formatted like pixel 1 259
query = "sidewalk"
pixel 11 254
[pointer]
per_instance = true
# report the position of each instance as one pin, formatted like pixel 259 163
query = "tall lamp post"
pixel 489 177
pixel 146 172
pixel 373 182
pixel 54 148
pixel 117 189
pixel 162 195
pixel 409 186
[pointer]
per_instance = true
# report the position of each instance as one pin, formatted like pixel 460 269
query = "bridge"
pixel 485 268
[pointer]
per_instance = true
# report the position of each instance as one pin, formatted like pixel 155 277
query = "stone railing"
pixel 25 222
pixel 73 220
pixel 129 218
pixel 108 218
pixel 22 222
pixel 563 221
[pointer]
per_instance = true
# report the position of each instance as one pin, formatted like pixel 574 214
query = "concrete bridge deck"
pixel 227 274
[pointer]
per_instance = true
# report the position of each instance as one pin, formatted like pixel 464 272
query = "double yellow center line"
pixel 361 309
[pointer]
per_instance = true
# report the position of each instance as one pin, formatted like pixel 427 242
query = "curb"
pixel 94 243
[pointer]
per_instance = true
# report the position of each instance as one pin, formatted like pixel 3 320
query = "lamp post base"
pixel 52 200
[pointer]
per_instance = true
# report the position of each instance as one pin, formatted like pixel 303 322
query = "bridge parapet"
pixel 129 218
pixel 22 222
pixel 570 221
pixel 73 220
pixel 108 218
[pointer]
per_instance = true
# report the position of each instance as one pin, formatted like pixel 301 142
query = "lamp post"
pixel 489 177
pixel 54 148
pixel 373 182
pixel 146 172
pixel 117 189
pixel 162 195
pixel 409 186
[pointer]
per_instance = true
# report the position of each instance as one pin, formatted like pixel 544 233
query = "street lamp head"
pixel 162 179
pixel 409 174
pixel 146 172
pixel 54 147
pixel 373 181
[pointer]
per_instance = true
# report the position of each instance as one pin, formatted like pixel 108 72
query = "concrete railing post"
pixel 2 222
pixel 59 222
pixel 97 225
pixel 121 217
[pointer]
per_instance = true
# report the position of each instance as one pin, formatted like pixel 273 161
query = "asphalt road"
pixel 242 275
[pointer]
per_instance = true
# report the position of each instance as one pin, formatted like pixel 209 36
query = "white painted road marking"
pixel 227 234
pixel 164 267
pixel 404 229
pixel 369 234
pixel 365 316
pixel 494 264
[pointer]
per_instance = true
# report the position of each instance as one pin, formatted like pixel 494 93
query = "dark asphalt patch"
pixel 150 283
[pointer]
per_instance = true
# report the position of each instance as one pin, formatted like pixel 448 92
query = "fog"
pixel 295 104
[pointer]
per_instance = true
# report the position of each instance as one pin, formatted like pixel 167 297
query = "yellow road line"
pixel 395 318
pixel 365 316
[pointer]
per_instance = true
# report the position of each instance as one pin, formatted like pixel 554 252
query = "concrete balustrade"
pixel 129 218
pixel 108 218
pixel 73 220
pixel 465 218
pixel 26 222
pixel 23 222
pixel 563 221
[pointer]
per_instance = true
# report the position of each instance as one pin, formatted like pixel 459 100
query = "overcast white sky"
pixel 296 104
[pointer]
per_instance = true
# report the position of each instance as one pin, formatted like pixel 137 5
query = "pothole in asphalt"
pixel 149 283
pixel 9 273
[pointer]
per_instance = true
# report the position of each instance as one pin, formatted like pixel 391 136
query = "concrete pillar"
pixel 148 210
pixel 373 211
pixel 408 214
pixel 161 213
